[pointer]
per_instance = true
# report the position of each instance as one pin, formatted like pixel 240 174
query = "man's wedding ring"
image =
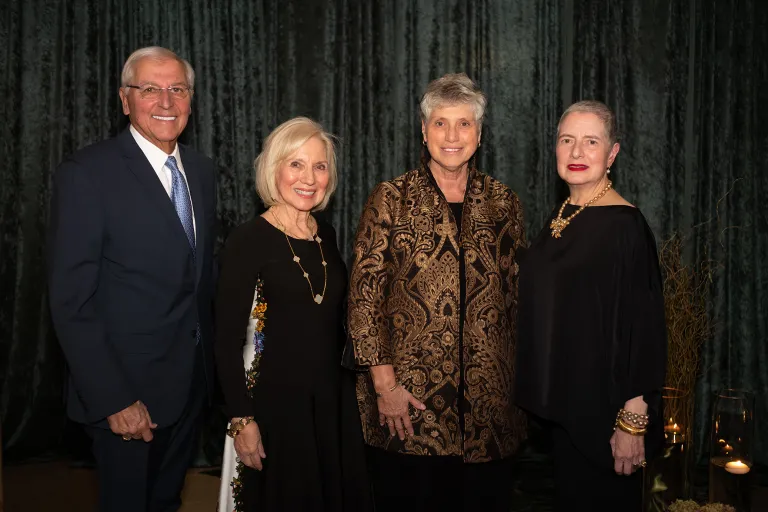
pixel 126 438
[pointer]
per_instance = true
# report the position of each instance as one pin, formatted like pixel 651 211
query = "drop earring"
pixel 608 171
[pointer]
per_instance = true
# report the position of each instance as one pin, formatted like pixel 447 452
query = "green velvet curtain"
pixel 687 78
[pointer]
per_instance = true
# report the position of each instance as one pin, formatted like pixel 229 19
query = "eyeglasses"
pixel 153 92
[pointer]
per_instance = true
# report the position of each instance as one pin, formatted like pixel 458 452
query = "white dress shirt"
pixel 157 158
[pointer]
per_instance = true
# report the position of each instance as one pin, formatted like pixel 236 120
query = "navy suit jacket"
pixel 126 292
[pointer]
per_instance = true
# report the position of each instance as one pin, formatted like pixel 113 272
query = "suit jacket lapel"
pixel 139 165
pixel 191 169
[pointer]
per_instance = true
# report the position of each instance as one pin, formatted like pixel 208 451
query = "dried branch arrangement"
pixel 686 290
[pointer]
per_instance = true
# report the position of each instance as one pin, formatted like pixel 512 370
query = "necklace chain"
pixel 318 298
pixel 558 224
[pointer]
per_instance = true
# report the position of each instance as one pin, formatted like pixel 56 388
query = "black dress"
pixel 304 401
pixel 592 336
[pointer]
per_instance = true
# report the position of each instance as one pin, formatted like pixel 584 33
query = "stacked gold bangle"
pixel 632 423
pixel 236 426
pixel 379 395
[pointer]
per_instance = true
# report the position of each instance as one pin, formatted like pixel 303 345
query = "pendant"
pixel 557 226
pixel 318 298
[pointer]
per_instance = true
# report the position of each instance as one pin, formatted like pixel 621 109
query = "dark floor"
pixel 71 487
pixel 533 486
pixel 60 487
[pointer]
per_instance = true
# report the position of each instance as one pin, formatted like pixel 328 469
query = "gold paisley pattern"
pixel 404 310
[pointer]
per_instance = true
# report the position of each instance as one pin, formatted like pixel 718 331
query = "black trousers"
pixel 580 484
pixel 135 476
pixel 405 483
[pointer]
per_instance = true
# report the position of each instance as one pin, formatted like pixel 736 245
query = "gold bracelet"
pixel 379 395
pixel 629 429
pixel 236 426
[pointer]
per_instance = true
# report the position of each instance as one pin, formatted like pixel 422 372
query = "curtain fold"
pixel 687 79
pixel 730 176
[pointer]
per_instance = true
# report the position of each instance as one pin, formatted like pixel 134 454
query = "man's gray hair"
pixel 156 53
pixel 453 89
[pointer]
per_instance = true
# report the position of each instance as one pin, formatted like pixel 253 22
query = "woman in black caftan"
pixel 592 339
pixel 296 428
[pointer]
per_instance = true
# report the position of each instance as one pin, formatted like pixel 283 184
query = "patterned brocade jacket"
pixel 404 310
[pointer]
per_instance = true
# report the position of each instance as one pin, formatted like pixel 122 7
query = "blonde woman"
pixel 293 412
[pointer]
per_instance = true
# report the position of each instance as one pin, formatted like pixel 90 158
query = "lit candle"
pixel 727 448
pixel 673 433
pixel 737 467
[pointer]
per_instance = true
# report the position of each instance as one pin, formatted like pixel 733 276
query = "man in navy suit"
pixel 130 283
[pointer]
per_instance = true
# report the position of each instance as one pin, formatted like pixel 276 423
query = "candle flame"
pixel 737 467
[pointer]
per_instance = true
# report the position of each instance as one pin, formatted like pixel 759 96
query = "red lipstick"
pixel 577 167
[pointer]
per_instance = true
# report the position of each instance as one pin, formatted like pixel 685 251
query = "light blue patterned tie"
pixel 181 201
pixel 183 205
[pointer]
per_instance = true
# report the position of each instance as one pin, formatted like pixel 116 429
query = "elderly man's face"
pixel 452 135
pixel 162 119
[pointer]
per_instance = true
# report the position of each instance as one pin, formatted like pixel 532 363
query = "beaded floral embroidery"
pixel 259 314
pixel 251 379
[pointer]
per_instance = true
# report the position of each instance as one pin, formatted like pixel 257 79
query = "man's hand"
pixel 133 421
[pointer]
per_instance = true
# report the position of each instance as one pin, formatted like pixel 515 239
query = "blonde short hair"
pixel 156 53
pixel 453 89
pixel 601 110
pixel 284 141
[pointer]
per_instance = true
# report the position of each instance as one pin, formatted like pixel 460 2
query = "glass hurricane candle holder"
pixel 730 455
pixel 666 476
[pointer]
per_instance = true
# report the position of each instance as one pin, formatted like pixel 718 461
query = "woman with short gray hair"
pixel 432 302
pixel 592 340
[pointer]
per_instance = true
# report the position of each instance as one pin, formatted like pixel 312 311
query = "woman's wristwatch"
pixel 236 426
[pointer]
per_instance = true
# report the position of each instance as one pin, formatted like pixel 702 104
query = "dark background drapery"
pixel 688 80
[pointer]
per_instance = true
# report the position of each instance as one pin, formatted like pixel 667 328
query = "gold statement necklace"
pixel 558 224
pixel 318 298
